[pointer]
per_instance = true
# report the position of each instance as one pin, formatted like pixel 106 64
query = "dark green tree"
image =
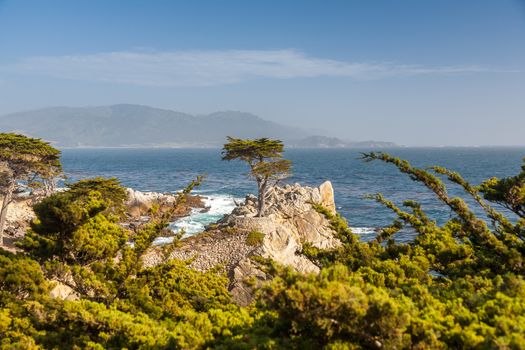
pixel 78 238
pixel 265 158
pixel 23 159
pixel 508 192
pixel 76 234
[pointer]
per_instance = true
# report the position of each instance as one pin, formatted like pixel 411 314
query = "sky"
pixel 415 72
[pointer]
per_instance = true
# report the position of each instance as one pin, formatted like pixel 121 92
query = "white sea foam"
pixel 218 204
pixel 364 230
pixel 162 240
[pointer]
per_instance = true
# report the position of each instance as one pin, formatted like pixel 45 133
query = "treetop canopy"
pixel 26 152
pixel 249 150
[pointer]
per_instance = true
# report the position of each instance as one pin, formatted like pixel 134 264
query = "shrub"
pixel 255 238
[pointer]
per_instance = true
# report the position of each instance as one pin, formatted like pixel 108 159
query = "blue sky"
pixel 425 72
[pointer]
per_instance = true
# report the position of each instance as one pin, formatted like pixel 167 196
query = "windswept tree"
pixel 265 158
pixel 508 192
pixel 24 160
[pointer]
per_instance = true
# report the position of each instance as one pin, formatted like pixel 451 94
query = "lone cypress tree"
pixel 265 158
pixel 23 159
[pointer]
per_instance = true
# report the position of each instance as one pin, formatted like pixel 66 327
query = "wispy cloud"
pixel 206 68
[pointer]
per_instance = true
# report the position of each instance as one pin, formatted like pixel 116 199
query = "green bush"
pixel 255 238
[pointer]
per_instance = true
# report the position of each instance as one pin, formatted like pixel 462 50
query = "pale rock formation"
pixel 19 215
pixel 62 291
pixel 290 222
pixel 138 203
pixel 146 199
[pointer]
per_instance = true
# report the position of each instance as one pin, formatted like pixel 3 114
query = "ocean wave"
pixel 364 230
pixel 162 240
pixel 218 204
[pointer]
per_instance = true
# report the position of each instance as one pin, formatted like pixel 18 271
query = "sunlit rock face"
pixel 19 215
pixel 289 222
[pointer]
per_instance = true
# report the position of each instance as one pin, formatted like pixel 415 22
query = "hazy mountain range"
pixel 127 125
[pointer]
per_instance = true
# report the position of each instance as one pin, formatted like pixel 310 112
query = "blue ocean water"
pixel 168 170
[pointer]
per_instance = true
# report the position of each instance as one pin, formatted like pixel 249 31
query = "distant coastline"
pixel 137 126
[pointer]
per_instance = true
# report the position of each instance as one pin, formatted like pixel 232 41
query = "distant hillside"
pixel 128 125
pixel 334 142
pixel 133 125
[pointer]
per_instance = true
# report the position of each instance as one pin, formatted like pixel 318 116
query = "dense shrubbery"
pixel 459 285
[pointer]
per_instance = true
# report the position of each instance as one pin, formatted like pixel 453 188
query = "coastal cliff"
pixel 291 221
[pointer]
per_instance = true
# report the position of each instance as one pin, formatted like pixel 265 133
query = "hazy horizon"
pixel 433 73
pixel 311 132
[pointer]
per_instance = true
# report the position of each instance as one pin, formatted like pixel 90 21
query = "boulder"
pixel 63 292
pixel 19 215
pixel 143 201
pixel 289 222
pixel 327 196
pixel 138 203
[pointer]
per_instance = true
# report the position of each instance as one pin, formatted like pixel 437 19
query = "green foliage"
pixel 23 155
pixel 456 286
pixel 459 285
pixel 78 225
pixel 110 191
pixel 508 192
pixel 496 248
pixel 24 159
pixel 252 150
pixel 170 289
pixel 255 238
pixel 77 240
pixel 20 278
pixel 336 307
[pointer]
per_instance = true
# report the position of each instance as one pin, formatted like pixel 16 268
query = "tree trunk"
pixel 261 207
pixel 3 213
pixel 50 186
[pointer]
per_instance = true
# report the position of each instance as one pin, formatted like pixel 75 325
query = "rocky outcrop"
pixel 290 220
pixel 139 203
pixel 19 215
pixel 146 199
pixel 289 223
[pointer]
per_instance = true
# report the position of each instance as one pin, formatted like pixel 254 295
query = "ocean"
pixel 169 170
